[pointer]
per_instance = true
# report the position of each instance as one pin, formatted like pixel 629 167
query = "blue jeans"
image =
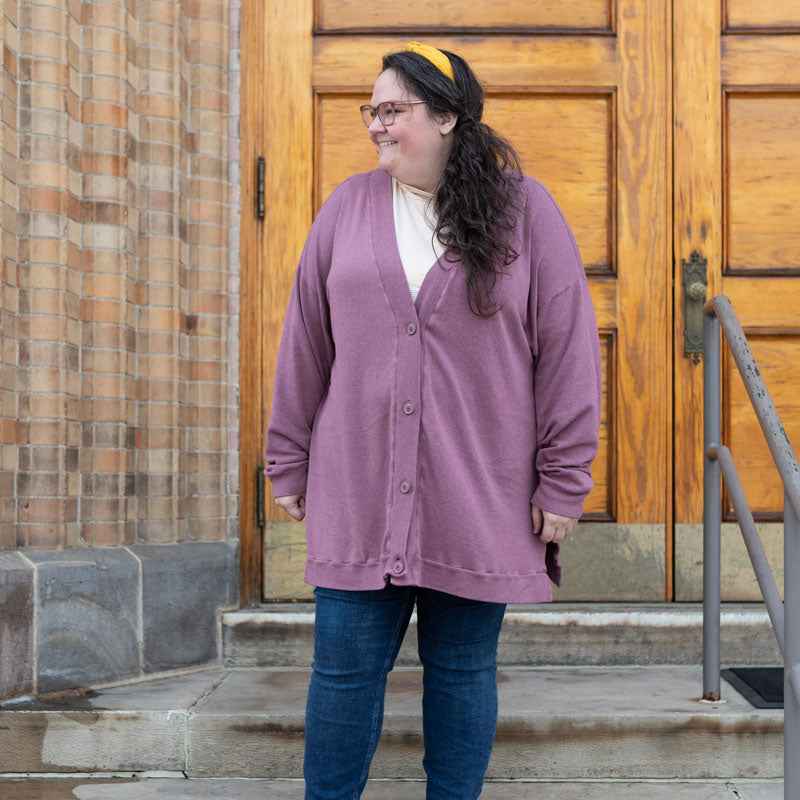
pixel 357 635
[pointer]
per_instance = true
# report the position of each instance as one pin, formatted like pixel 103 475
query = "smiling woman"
pixel 454 493
pixel 414 147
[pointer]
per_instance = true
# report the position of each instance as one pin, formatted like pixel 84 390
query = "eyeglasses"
pixel 384 111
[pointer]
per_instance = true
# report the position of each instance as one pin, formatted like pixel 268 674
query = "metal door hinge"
pixel 260 169
pixel 260 513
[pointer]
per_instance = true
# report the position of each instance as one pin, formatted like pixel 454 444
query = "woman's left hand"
pixel 551 527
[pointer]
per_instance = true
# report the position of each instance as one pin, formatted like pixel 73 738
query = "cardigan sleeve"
pixel 305 358
pixel 567 368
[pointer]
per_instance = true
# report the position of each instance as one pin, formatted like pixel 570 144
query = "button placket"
pixel 407 448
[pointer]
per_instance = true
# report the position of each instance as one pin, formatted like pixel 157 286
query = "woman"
pixel 435 414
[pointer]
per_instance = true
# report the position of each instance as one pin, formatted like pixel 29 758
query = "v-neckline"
pixel 402 187
pixel 387 255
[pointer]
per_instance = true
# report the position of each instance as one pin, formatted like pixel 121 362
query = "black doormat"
pixel 762 686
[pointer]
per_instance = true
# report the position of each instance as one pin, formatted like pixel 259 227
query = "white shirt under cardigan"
pixel 414 221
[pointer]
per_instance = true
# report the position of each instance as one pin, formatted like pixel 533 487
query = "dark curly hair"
pixel 478 193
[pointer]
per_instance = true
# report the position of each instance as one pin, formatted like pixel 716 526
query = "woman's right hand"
pixel 293 504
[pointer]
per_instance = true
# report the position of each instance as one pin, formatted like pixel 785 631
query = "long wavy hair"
pixel 478 194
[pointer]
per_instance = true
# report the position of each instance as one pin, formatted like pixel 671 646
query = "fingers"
pixel 552 527
pixel 537 520
pixel 293 504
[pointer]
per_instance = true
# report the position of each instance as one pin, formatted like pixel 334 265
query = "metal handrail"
pixel 718 463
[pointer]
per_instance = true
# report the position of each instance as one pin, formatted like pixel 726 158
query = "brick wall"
pixel 118 317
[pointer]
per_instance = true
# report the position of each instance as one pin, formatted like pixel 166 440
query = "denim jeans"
pixel 357 635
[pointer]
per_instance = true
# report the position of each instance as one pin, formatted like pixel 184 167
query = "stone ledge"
pixel 100 615
pixel 17 603
pixel 574 634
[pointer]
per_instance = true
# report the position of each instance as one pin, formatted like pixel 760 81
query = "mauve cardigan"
pixel 419 432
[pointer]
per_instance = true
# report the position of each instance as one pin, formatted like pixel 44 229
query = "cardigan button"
pixel 408 407
pixel 398 567
pixel 411 328
pixel 405 487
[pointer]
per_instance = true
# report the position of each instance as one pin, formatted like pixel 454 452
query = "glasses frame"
pixel 377 111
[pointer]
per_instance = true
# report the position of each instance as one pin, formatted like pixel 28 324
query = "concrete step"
pixel 147 788
pixel 554 724
pixel 546 634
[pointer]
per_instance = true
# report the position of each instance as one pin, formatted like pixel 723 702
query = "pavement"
pixel 254 789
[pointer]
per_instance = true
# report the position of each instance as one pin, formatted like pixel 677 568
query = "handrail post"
pixel 712 493
pixel 791 658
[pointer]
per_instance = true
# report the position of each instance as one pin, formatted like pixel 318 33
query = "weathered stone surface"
pixel 252 725
pixel 759 791
pixel 183 586
pixel 636 572
pixel 239 789
pixel 16 625
pixel 140 726
pixel 612 562
pixel 88 616
pixel 283 577
pixel 534 635
pixel 737 579
pixel 553 724
pixel 85 741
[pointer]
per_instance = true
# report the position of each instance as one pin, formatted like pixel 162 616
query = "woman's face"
pixel 415 147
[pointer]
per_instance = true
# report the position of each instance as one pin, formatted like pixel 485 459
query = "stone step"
pixel 547 634
pixel 176 788
pixel 554 724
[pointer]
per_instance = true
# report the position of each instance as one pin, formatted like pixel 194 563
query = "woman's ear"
pixel 447 121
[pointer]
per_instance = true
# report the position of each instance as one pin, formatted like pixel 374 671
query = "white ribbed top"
pixel 414 223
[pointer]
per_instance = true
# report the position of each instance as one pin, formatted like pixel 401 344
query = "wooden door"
pixel 737 202
pixel 583 91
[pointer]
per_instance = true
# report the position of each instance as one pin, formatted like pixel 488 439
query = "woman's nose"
pixel 376 126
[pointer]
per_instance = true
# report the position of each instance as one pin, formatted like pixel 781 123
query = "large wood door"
pixel 737 202
pixel 583 91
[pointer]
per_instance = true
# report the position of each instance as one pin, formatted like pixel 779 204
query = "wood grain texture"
pixel 697 193
pixel 370 15
pixel 775 14
pixel 499 61
pixel 251 388
pixel 589 116
pixel 581 175
pixel 760 60
pixel 762 182
pixel 777 356
pixel 289 213
pixel 643 142
pixel 600 502
pixel 736 170
pixel 765 302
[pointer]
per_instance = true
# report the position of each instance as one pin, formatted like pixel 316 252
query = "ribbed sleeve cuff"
pixel 556 502
pixel 287 480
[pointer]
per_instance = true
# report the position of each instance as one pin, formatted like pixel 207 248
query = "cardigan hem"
pixel 493 588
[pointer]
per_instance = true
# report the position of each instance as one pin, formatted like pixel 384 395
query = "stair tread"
pixel 529 691
pixel 554 723
pixel 543 634
pixel 257 789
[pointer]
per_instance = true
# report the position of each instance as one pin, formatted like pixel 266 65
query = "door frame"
pixel 263 32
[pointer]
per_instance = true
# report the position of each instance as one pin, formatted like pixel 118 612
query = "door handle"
pixel 694 296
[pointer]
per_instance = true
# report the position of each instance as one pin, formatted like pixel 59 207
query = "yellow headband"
pixel 436 57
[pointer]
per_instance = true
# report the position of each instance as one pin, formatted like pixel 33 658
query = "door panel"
pixel 737 202
pixel 590 120
pixel 371 15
